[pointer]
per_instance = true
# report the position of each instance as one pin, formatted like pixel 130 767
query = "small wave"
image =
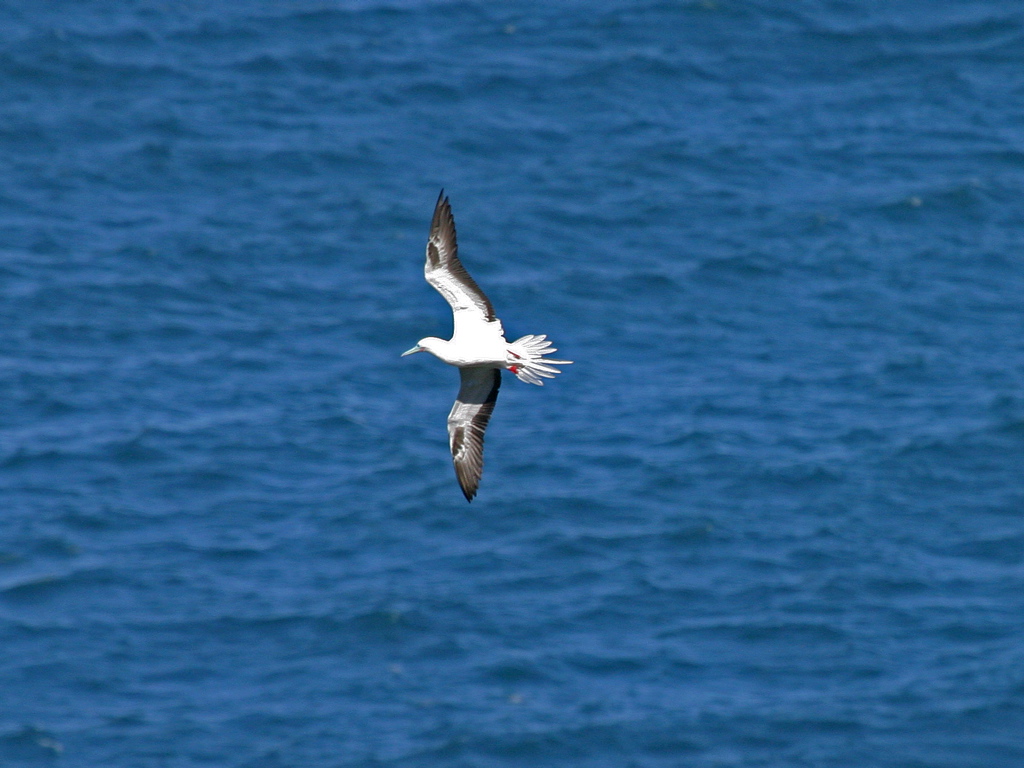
pixel 607 664
pixel 730 269
pixel 792 632
pixel 48 586
pixel 1001 550
pixel 30 743
pixel 515 672
pixel 801 475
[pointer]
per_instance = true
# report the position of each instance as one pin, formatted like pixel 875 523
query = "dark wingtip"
pixel 442 225
pixel 467 487
pixel 442 215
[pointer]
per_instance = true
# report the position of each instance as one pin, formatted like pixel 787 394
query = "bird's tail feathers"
pixel 526 359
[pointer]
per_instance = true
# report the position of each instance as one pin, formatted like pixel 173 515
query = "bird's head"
pixel 423 345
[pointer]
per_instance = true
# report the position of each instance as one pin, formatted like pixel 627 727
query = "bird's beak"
pixel 417 348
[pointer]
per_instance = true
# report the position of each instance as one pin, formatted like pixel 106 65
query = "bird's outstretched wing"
pixel 445 272
pixel 467 422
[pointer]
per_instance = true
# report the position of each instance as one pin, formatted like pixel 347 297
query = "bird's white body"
pixel 478 348
pixel 488 347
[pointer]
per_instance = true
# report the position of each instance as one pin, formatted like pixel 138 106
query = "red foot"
pixel 514 368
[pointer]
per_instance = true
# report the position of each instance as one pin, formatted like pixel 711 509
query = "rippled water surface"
pixel 771 517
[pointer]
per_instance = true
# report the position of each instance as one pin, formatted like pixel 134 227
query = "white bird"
pixel 477 348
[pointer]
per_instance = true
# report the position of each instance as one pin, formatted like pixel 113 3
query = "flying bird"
pixel 477 348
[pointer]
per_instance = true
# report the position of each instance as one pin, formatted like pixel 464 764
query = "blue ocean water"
pixel 773 515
